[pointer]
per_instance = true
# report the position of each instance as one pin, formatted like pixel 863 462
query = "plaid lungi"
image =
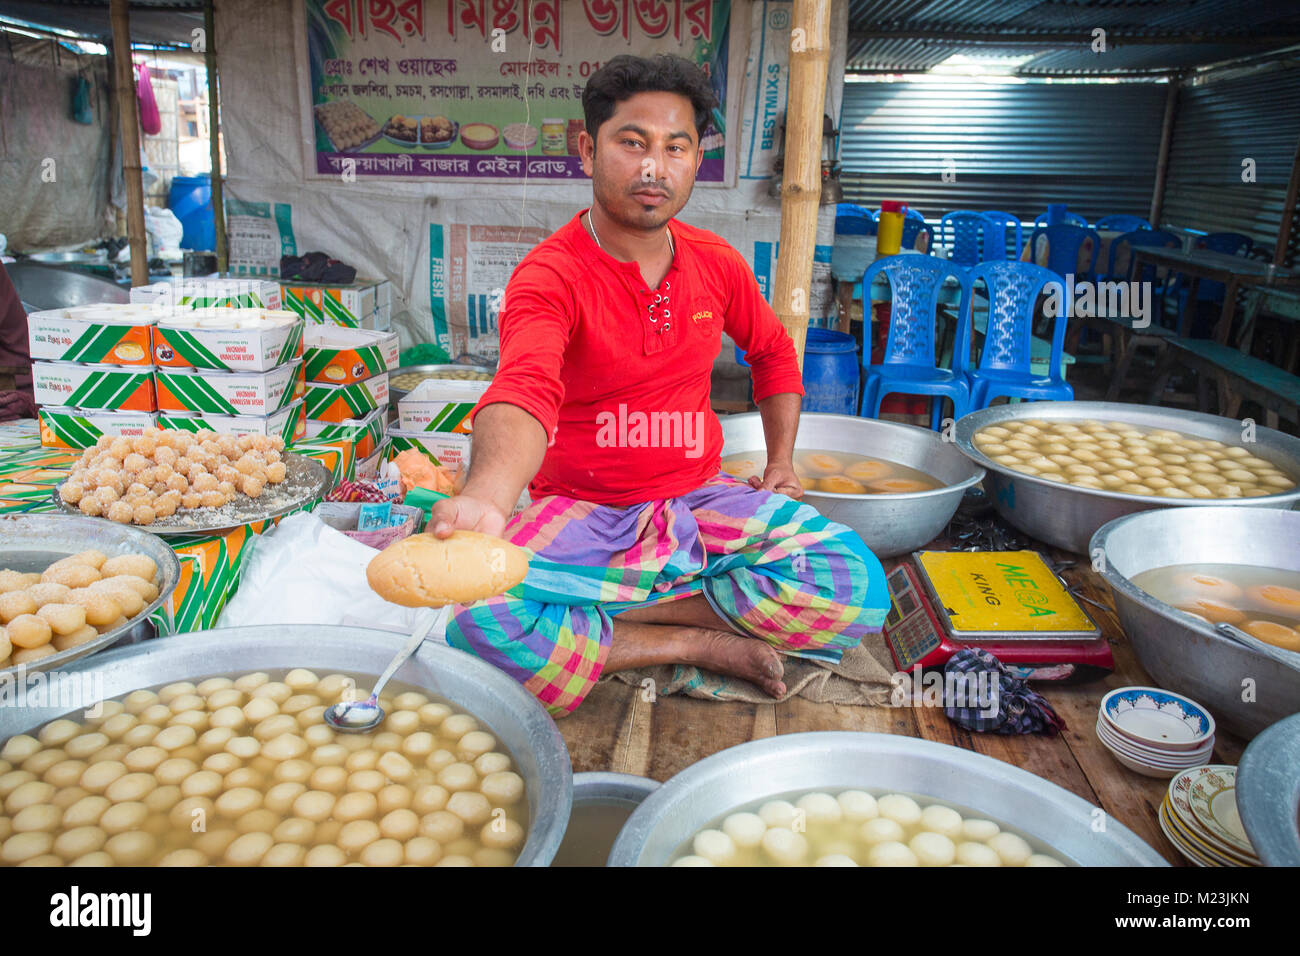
pixel 773 567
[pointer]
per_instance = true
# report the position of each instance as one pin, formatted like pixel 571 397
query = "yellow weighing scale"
pixel 1009 603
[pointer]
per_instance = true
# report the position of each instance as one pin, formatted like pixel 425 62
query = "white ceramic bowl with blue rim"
pixel 1157 718
pixel 1136 751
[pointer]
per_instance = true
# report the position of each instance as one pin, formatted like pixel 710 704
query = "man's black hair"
pixel 624 76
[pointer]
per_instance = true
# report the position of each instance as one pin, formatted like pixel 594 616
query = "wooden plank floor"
pixel 618 728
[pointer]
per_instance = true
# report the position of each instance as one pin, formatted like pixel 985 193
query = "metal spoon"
pixel 362 716
pixel 1282 656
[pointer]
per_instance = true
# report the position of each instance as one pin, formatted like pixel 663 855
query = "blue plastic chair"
pixel 912 229
pixel 1071 218
pixel 1064 244
pixel 854 220
pixel 1004 366
pixel 1122 222
pixel 995 240
pixel 1230 244
pixel 964 233
pixel 909 364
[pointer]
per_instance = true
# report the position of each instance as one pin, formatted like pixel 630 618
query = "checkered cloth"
pixel 1020 709
pixel 355 491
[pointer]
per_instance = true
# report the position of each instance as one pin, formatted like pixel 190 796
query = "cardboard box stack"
pixel 363 304
pixel 123 369
pixel 347 390
pixel 433 419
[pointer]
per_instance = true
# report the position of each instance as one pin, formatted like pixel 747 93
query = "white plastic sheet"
pixel 305 572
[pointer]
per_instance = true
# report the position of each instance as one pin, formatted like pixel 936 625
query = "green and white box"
pixel 102 334
pixel 339 356
pixel 233 340
pixel 366 434
pixel 201 293
pixel 338 403
pixel 227 393
pixel 352 305
pixel 442 449
pixel 286 423
pixel 80 428
pixel 440 405
pixel 112 387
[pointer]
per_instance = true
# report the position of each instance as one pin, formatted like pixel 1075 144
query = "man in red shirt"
pixel 645 553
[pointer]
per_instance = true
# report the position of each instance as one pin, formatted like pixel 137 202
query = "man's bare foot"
pixel 744 657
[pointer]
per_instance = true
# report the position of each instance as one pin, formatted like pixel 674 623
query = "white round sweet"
pixel 820 808
pixel 979 830
pixel 880 830
pixel 836 859
pixel 715 846
pixel 977 854
pixel 941 819
pixel 1012 850
pixel 777 813
pixel 858 805
pixel 891 853
pixel 745 829
pixel 900 808
pixel 785 847
pixel 933 849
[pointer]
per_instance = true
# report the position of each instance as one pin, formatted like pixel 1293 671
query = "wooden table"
pixel 1200 264
pixel 615 729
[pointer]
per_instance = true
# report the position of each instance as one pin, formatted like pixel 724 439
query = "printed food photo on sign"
pixel 404 90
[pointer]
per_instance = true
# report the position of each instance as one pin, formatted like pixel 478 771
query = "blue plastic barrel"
pixel 830 372
pixel 190 199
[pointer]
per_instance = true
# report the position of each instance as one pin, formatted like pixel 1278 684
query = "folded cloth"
pixel 316 267
pixel 861 678
pixel 355 491
pixel 1020 709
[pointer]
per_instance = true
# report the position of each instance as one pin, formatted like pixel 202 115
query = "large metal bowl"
pixel 1067 515
pixel 1184 653
pixel 510 712
pixel 889 524
pixel 741 775
pixel 595 793
pixel 1268 793
pixel 34 542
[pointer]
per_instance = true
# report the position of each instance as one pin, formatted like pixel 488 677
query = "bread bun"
pixel 424 571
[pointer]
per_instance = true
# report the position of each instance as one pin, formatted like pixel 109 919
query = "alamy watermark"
pixel 65 691
pixel 638 429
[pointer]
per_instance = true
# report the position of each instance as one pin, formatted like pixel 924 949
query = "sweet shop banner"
pixel 489 90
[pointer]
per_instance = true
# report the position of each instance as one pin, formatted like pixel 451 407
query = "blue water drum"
pixel 830 372
pixel 190 199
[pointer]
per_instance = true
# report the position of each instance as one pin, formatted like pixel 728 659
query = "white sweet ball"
pixel 715 846
pixel 858 805
pixel 880 830
pixel 820 808
pixel 745 829
pixel 891 853
pixel 1041 859
pixel 979 830
pixel 777 813
pixel 692 861
pixel 1011 849
pixel 933 849
pixel 940 819
pixel 977 854
pixel 785 847
pixel 900 808
pixel 836 859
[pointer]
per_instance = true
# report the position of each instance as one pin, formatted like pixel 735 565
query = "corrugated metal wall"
pixel 1013 147
pixel 1218 125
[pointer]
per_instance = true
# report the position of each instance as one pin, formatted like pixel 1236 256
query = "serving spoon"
pixel 363 716
pixel 1281 655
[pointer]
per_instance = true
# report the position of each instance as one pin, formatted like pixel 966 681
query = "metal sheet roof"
pixel 1142 36
pixel 156 22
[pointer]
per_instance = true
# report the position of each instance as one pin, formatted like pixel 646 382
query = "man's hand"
pixel 466 513
pixel 779 477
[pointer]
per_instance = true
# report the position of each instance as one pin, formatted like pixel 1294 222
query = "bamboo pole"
pixel 1166 138
pixel 1288 212
pixel 214 136
pixel 128 111
pixel 802 186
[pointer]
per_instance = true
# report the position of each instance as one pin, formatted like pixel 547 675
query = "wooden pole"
pixel 1166 138
pixel 128 111
pixel 1288 212
pixel 214 135
pixel 801 189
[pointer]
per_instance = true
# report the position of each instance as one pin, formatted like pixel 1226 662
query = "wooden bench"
pixel 1120 342
pixel 1238 377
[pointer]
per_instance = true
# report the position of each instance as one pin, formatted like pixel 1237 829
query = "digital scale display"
pixel 1009 603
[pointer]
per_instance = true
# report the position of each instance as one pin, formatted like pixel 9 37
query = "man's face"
pixel 644 159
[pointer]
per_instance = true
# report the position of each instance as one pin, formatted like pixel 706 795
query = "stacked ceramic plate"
pixel 1199 815
pixel 1154 732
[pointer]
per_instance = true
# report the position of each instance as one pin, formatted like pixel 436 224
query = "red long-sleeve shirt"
pixel 627 405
